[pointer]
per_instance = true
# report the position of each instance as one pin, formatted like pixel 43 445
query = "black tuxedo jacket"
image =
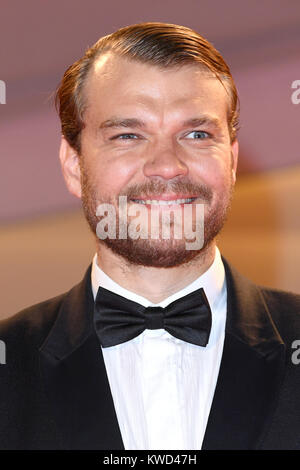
pixel 54 391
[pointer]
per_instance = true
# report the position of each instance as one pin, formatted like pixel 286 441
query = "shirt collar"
pixel 212 281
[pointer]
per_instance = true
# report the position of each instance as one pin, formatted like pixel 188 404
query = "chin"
pixel 156 254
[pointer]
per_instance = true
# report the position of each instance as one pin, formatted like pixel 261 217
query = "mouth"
pixel 165 201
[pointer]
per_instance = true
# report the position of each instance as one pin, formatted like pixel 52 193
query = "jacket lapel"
pixel 250 374
pixel 74 374
pixel 251 370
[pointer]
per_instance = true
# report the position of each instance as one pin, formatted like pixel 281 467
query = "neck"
pixel 155 284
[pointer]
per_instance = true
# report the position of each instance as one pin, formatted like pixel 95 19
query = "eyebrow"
pixel 203 120
pixel 120 122
pixel 137 123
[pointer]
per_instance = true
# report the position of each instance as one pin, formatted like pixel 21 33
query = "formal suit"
pixel 55 392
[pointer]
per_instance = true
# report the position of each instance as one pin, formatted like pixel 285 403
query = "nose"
pixel 164 163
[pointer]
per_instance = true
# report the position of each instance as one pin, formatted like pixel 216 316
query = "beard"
pixel 160 252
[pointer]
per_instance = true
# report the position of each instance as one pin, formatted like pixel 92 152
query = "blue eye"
pixel 201 135
pixel 125 136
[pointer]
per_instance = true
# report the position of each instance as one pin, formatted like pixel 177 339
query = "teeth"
pixel 156 202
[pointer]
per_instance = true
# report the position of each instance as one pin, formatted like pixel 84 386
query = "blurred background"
pixel 45 244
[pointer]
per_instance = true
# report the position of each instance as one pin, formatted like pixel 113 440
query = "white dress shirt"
pixel 163 387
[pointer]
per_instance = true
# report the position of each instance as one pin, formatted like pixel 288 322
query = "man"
pixel 160 346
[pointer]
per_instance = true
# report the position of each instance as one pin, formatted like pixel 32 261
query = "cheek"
pixel 109 171
pixel 213 170
pixel 110 178
pixel 110 175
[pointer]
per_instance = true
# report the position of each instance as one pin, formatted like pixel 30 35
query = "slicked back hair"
pixel 160 44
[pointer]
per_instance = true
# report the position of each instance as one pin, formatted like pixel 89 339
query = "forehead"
pixel 116 82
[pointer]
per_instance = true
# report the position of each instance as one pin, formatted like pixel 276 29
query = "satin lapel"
pixel 251 370
pixel 75 379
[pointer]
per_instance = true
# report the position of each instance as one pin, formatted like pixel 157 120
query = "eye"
pixel 201 135
pixel 125 137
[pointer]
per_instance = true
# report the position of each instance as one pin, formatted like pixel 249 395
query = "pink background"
pixel 260 40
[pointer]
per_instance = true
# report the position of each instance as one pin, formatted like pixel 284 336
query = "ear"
pixel 234 157
pixel 69 160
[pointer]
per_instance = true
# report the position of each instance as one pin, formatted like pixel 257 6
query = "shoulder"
pixel 284 309
pixel 25 332
pixel 257 303
pixel 281 299
pixel 275 299
pixel 31 324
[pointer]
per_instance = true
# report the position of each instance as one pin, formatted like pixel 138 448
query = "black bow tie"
pixel 118 319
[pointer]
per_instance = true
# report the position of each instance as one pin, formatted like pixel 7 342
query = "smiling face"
pixel 159 137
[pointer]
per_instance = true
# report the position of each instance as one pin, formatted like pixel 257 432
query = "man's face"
pixel 155 134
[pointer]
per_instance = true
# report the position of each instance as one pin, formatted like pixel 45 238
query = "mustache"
pixel 156 188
